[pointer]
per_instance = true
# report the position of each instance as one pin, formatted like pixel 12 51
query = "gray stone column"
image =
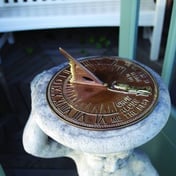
pixel 96 153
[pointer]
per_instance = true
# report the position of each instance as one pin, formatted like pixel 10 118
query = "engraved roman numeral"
pixel 118 68
pixel 79 116
pixel 65 108
pixel 63 76
pixel 67 72
pixel 57 81
pixel 89 65
pixel 100 119
pixel 56 98
pixel 88 107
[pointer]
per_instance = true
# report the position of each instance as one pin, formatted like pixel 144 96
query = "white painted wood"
pixel 30 15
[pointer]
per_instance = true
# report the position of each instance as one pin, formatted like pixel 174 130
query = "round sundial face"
pixel 128 95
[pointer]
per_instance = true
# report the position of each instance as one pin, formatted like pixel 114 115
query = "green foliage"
pixel 91 40
pixel 29 50
pixel 98 42
pixel 84 52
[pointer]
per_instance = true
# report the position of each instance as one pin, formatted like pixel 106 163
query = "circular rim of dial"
pixel 93 108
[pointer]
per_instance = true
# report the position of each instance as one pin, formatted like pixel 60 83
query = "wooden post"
pixel 129 13
pixel 170 53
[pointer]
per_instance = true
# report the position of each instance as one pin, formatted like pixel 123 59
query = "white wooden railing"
pixel 19 15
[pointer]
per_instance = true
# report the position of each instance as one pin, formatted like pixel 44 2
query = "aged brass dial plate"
pixel 129 96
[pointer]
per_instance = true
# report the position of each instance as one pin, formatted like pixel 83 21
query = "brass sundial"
pixel 102 93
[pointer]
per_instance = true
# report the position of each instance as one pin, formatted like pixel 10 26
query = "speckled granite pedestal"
pixel 96 153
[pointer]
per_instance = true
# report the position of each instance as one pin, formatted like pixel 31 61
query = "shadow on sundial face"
pixel 91 94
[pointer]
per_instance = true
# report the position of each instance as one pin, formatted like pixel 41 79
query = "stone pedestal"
pixel 96 153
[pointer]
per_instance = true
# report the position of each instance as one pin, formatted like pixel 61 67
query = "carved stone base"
pixel 96 153
pixel 123 164
pixel 127 163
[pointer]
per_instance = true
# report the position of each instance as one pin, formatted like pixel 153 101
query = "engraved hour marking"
pixel 101 108
pixel 65 108
pixel 79 116
pixel 89 65
pixel 114 105
pixel 88 107
pixel 95 109
pixel 100 119
pixel 109 110
pixel 63 76
pixel 67 72
pixel 118 68
pixel 57 81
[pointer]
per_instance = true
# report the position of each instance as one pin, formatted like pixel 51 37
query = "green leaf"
pixel 102 39
pixel 98 45
pixel 91 40
pixel 107 43
pixel 29 50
